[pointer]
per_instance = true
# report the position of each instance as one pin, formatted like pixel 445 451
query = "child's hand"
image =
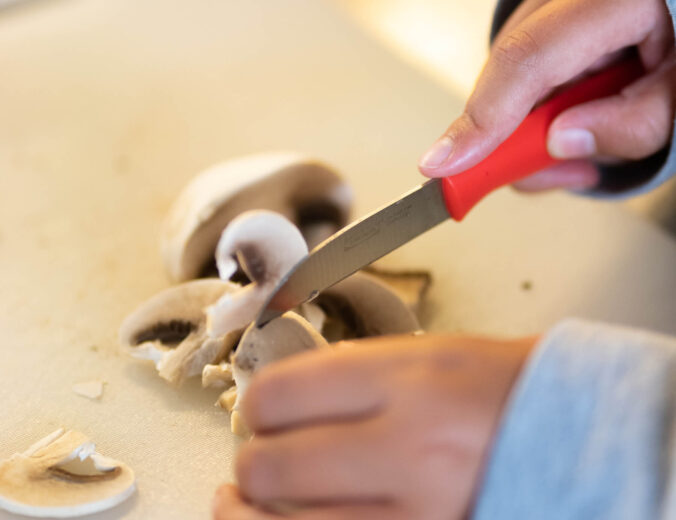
pixel 389 428
pixel 545 44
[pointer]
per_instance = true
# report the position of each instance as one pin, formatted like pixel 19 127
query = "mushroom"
pixel 63 476
pixel 313 314
pixel 304 190
pixel 410 286
pixel 362 306
pixel 170 329
pixel 267 246
pixel 282 337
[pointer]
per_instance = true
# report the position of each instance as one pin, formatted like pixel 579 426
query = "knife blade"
pixel 357 245
pixel 523 153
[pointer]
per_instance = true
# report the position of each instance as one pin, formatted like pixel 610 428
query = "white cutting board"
pixel 108 108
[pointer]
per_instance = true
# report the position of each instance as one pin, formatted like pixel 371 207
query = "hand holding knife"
pixel 364 241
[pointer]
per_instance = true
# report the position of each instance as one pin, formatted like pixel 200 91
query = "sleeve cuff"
pixel 585 429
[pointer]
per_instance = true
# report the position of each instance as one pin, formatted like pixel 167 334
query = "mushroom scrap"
pixel 249 221
pixel 63 476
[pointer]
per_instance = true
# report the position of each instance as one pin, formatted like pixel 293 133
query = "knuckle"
pixel 647 135
pixel 518 50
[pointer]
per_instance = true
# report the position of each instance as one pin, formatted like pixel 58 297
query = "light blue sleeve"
pixel 589 432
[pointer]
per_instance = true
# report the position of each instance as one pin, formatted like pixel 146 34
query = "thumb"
pixel 630 126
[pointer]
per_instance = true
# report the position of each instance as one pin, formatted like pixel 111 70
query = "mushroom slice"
pixel 217 376
pixel 282 337
pixel 313 314
pixel 228 399
pixel 63 476
pixel 267 246
pixel 304 190
pixel 170 329
pixel 362 306
pixel 410 286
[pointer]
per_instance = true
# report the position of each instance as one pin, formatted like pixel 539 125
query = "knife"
pixel 523 153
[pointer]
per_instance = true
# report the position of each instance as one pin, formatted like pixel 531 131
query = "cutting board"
pixel 108 108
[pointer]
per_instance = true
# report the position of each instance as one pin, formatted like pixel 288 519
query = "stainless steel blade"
pixel 356 246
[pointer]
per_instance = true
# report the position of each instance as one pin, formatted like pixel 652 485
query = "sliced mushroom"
pixel 280 338
pixel 267 246
pixel 228 399
pixel 170 329
pixel 313 314
pixel 304 190
pixel 63 476
pixel 362 306
pixel 410 286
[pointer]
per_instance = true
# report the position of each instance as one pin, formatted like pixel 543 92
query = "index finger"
pixel 317 386
pixel 553 44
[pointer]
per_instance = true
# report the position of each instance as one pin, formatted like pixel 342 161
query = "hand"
pixel 389 428
pixel 546 44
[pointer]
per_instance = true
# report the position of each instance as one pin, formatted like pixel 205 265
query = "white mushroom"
pixel 304 190
pixel 362 306
pixel 313 314
pixel 410 286
pixel 170 329
pixel 63 476
pixel 267 246
pixel 280 338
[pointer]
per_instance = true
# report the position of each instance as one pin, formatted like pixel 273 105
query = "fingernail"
pixel 571 143
pixel 435 156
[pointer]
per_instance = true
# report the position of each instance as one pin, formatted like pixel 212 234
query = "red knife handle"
pixel 525 151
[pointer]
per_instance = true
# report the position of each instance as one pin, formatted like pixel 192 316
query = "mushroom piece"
pixel 170 329
pixel 217 376
pixel 63 476
pixel 282 337
pixel 313 314
pixel 89 389
pixel 410 286
pixel 362 306
pixel 267 246
pixel 304 190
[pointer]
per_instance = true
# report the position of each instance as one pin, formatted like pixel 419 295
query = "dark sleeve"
pixel 503 10
pixel 630 178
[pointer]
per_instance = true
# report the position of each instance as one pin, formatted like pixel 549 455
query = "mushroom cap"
pixel 368 306
pixel 296 186
pixel 62 476
pixel 170 329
